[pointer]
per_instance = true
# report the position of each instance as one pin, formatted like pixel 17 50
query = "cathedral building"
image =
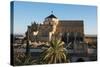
pixel 52 27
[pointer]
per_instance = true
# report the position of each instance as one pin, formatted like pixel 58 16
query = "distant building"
pixel 52 28
pixel 91 40
pixel 17 38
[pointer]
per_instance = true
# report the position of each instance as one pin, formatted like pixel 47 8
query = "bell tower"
pixel 51 20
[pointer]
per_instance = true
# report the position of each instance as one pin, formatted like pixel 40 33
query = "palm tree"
pixel 56 53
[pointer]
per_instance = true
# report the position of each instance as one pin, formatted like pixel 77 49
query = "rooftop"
pixel 51 16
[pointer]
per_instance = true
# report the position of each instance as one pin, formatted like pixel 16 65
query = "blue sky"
pixel 27 12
